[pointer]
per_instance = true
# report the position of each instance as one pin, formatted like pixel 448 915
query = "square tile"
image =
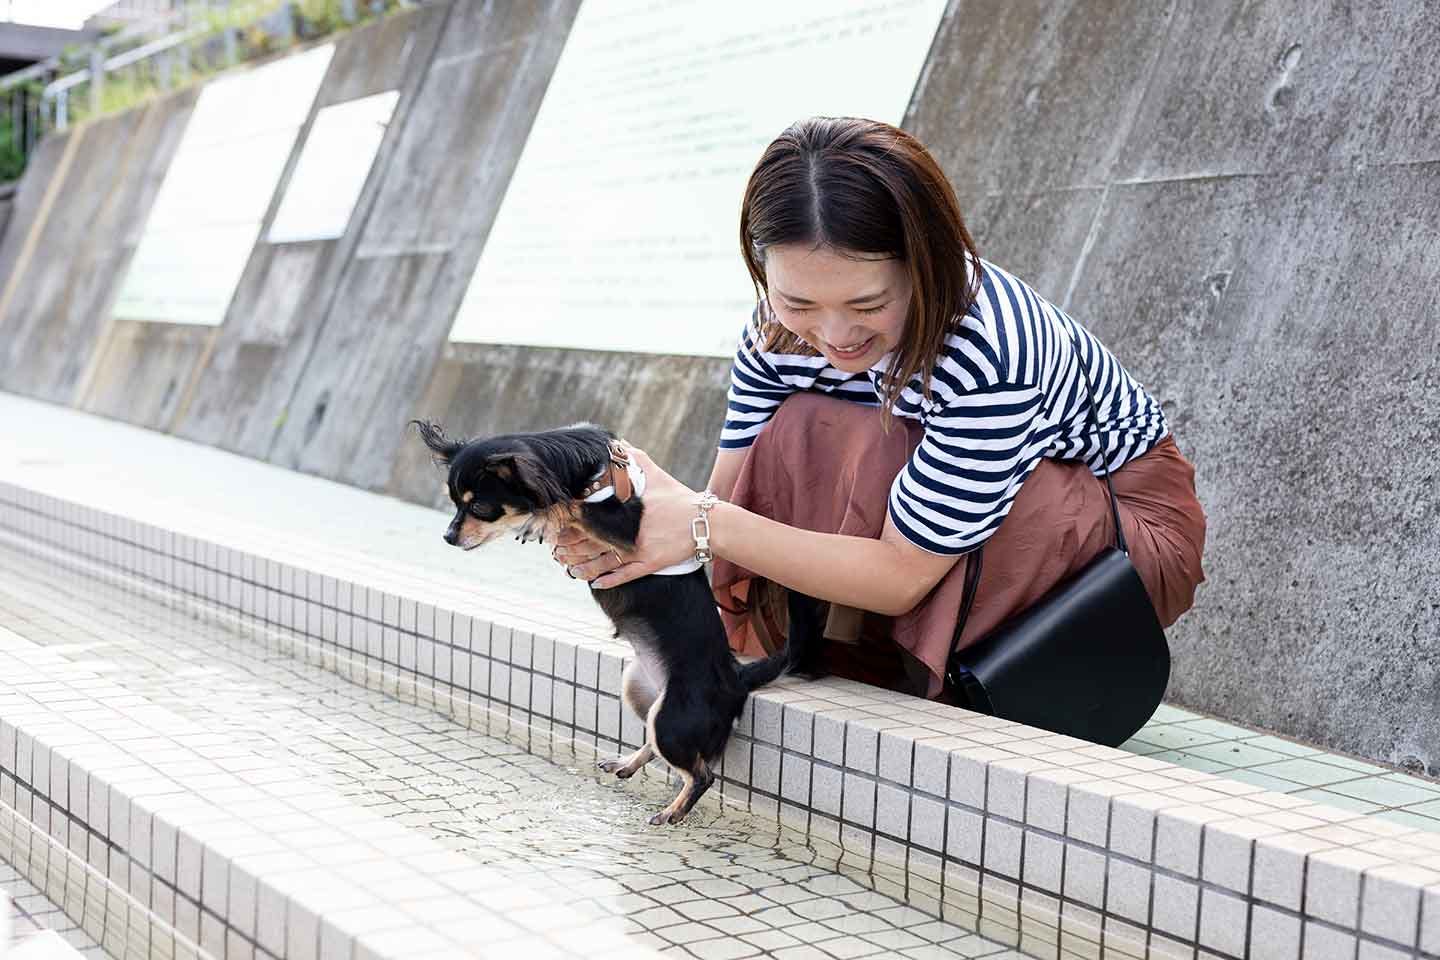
pixel 1273 935
pixel 932 765
pixel 1280 868
pixel 1229 852
pixel 964 834
pixel 1222 922
pixel 969 770
pixel 1044 857
pixel 1177 837
pixel 1127 892
pixel 1309 771
pixel 765 768
pixel 799 724
pixel 829 738
pixel 825 788
pixel 862 746
pixel 1326 943
pixel 795 778
pixel 768 714
pixel 1332 889
pixel 1388 791
pixel 927 823
pixel 1392 901
pixel 1084 876
pixel 1370 950
pixel 1176 907
pixel 892 810
pixel 1430 921
pixel 1132 824
pixel 1003 848
pixel 859 800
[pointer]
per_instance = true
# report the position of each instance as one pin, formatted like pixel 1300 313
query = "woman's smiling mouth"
pixel 851 351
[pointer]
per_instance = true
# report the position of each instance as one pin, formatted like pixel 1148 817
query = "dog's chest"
pixel 647 652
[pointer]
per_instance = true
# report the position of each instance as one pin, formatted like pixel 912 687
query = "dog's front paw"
pixel 661 818
pixel 612 764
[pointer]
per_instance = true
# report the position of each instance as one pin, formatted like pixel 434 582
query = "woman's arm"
pixel 726 471
pixel 889 575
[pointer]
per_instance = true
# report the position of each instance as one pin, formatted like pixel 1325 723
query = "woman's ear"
pixel 442 449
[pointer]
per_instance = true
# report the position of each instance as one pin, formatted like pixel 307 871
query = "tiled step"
pixel 1042 842
pixel 234 714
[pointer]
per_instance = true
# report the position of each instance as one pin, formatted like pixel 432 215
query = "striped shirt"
pixel 1005 393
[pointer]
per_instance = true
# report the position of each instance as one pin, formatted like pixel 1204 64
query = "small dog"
pixel 684 682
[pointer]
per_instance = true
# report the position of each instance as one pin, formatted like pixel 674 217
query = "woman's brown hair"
pixel 864 187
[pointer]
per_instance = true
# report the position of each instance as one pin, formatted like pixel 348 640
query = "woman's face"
pixel 851 310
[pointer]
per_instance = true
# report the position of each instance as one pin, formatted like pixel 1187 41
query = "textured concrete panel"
pixel 25 207
pixel 387 327
pixel 1289 331
pixel 59 308
pixel 1025 96
pixel 671 407
pixel 145 371
pixel 1037 237
pixel 1260 87
pixel 281 302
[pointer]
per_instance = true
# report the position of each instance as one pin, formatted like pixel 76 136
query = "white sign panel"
pixel 620 227
pixel 333 167
pixel 206 216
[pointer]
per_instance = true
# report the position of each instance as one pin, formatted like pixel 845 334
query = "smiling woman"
pixel 873 296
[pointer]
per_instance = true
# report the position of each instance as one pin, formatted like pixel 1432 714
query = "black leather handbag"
pixel 1088 659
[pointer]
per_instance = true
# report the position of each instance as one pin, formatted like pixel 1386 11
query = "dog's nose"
pixel 452 537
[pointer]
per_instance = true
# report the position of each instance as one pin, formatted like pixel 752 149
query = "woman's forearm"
pixel 856 571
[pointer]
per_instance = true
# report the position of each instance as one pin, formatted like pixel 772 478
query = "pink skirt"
pixel 825 464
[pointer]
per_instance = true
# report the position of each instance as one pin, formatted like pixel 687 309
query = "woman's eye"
pixel 873 310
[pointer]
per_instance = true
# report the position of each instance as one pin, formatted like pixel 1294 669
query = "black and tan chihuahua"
pixel 684 682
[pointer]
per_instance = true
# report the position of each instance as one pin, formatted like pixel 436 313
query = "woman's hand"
pixel 664 538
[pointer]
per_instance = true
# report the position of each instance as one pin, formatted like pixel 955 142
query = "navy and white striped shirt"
pixel 1005 393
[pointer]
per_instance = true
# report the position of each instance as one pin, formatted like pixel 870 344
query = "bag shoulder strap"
pixel 975 557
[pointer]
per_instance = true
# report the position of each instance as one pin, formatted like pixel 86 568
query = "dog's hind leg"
pixel 641 696
pixel 696 782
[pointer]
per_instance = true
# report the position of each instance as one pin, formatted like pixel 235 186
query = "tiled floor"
pixel 1213 746
pixel 726 885
pixel 185 486
pixel 34 912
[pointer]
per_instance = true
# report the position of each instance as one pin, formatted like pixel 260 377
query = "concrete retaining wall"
pixel 1239 198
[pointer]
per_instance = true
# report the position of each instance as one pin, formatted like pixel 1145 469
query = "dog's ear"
pixel 528 476
pixel 442 449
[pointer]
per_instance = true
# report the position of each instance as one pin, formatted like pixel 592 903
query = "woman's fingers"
pixel 595 565
pixel 569 536
pixel 621 574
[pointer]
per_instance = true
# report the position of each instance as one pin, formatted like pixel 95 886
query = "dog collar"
pixel 616 478
pixel 621 479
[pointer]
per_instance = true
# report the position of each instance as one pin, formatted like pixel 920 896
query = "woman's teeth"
pixel 852 348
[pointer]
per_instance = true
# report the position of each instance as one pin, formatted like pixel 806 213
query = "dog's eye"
pixel 481 511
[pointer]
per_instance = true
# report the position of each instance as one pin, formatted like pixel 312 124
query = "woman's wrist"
pixel 723 517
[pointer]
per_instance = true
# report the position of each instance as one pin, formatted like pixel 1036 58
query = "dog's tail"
pixel 802 647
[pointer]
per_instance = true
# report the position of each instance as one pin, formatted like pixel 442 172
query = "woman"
pixel 871 292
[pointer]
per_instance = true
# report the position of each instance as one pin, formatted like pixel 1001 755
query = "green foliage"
pixel 12 158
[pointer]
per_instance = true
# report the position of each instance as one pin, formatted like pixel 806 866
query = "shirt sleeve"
pixel 963 477
pixel 756 391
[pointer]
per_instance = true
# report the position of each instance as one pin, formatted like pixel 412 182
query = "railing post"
pixel 62 110
pixel 347 11
pixel 97 78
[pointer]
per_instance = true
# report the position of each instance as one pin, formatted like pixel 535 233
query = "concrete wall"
pixel 1240 198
